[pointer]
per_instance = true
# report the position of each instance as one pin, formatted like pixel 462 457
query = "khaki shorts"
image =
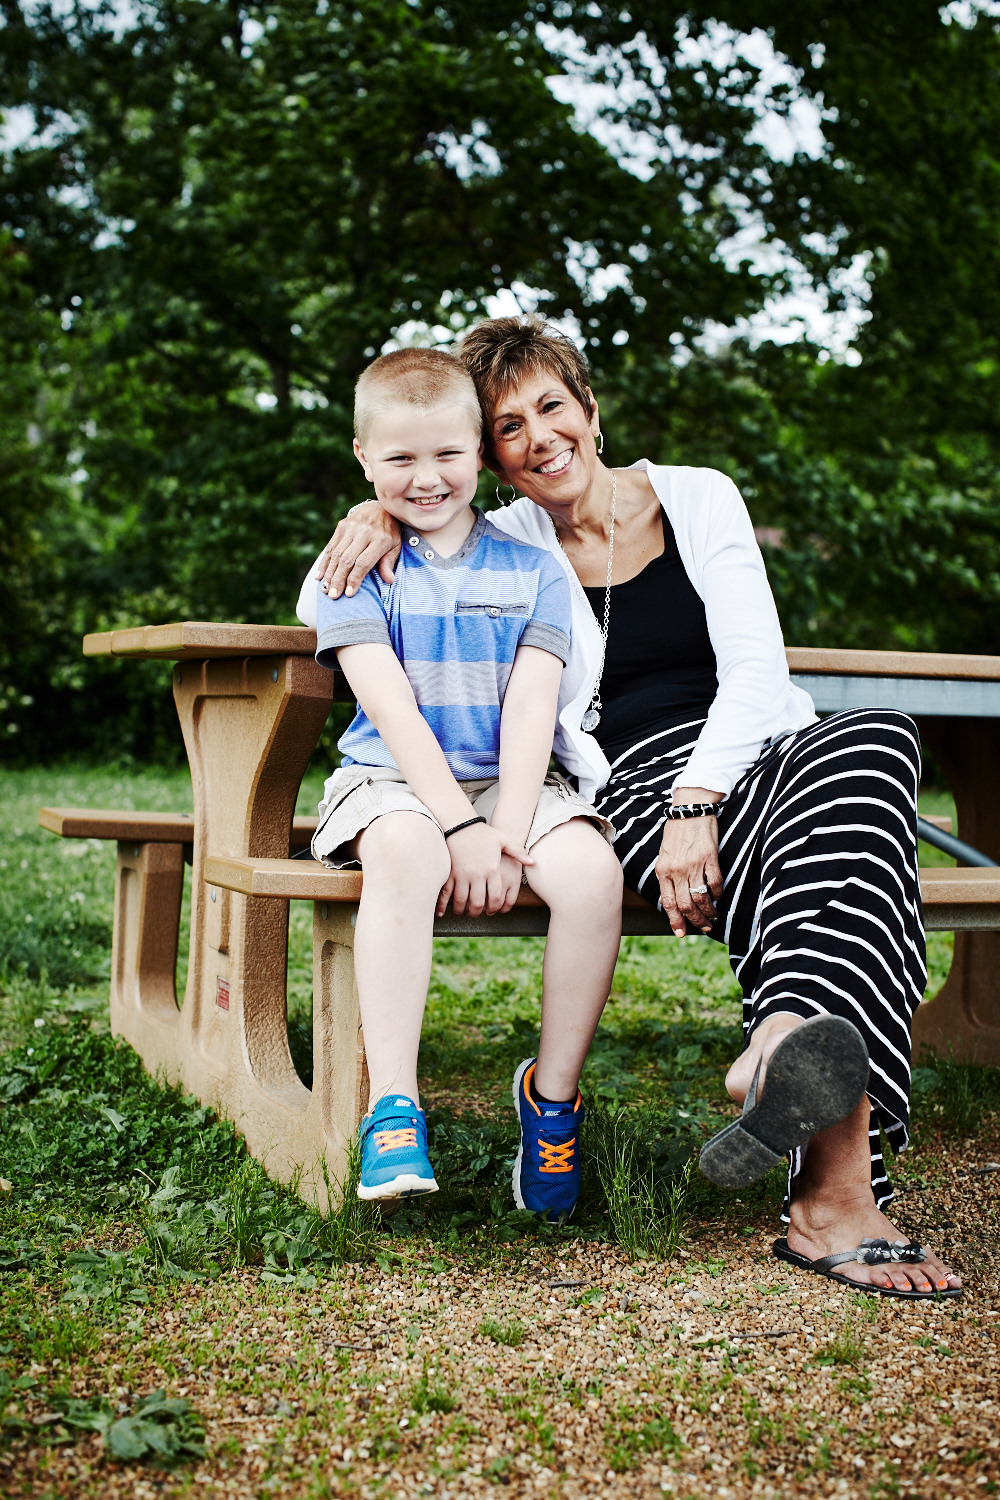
pixel 355 796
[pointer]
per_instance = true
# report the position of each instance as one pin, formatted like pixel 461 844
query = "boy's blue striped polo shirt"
pixel 455 624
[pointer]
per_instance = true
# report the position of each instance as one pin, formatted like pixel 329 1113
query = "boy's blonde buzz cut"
pixel 425 378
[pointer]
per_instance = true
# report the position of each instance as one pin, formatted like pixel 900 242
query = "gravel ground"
pixel 562 1370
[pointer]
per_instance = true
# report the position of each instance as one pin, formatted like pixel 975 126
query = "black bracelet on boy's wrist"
pixel 692 810
pixel 459 826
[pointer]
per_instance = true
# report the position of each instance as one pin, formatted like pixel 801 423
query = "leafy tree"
pixel 29 491
pixel 882 472
pixel 226 209
pixel 233 209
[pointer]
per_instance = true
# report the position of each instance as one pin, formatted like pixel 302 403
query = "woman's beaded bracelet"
pixel 692 810
pixel 459 826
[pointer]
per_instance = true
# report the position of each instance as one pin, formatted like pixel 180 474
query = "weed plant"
pixel 159 1429
pixel 431 1394
pixel 86 1127
pixel 631 1441
pixel 849 1343
pixel 642 1175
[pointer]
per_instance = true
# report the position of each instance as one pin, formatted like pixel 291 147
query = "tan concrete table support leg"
pixel 963 1019
pixel 149 882
pixel 250 726
pixel 340 1077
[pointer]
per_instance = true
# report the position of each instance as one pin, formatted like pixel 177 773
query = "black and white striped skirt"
pixel 821 906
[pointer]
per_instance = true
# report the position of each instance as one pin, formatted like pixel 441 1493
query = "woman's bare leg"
pixel 833 1207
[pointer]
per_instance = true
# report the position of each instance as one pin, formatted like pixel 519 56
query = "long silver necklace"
pixel 592 717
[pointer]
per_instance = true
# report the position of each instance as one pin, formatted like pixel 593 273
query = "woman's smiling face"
pixel 543 441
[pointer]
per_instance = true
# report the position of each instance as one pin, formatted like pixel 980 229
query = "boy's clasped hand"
pixel 486 870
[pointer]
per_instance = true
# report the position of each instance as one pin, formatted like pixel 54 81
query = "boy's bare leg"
pixel 405 863
pixel 580 880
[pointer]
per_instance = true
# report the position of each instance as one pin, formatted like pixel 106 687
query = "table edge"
pixel 181 640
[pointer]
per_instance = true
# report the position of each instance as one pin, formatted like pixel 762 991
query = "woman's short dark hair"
pixel 500 352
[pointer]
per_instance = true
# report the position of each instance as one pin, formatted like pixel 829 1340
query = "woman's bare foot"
pixel 833 1207
pixel 760 1047
pixel 823 1227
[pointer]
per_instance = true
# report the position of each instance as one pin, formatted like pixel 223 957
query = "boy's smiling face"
pixel 425 467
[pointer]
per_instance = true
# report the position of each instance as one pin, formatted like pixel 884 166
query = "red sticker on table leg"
pixel 222 993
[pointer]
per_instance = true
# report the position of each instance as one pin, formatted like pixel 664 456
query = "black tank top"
pixel 660 666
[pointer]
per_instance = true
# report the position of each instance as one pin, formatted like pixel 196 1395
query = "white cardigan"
pixel 756 701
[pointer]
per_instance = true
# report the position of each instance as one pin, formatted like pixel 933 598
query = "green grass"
pixel 955 1095
pixel 431 1394
pixel 508 1332
pixel 645 1197
pixel 848 1346
pixel 939 944
pixel 631 1440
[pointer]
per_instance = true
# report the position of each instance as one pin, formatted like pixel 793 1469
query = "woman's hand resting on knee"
pixel 689 857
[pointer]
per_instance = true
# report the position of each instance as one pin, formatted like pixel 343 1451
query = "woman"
pixel 736 810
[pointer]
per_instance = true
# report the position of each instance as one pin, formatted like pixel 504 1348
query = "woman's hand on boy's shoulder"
pixel 366 536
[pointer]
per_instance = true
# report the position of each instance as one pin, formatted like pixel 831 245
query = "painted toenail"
pixel 943 1283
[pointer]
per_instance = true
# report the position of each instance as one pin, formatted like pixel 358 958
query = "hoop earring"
pixel 600 443
pixel 513 494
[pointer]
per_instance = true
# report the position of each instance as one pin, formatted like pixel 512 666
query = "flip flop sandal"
pixel 815 1077
pixel 868 1253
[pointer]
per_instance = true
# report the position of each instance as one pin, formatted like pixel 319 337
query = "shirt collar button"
pixel 428 554
pixel 414 541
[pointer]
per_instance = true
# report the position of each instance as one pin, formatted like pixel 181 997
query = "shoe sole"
pixel 406 1185
pixel 515 1180
pixel 815 1078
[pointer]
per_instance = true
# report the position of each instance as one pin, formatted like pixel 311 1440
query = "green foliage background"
pixel 225 209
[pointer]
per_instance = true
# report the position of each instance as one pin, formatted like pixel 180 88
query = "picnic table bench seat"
pixel 954 899
pixel 134 827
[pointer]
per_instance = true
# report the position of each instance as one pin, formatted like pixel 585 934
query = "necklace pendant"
pixel 590 721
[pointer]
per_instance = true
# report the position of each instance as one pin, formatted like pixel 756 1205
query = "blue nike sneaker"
pixel 548 1167
pixel 393 1141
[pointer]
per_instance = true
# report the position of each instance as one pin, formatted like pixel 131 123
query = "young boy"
pixel 443 793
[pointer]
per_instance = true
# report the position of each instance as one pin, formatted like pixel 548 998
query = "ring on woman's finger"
pixel 698 890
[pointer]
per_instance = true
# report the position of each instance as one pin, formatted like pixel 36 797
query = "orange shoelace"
pixel 556 1158
pixel 394 1140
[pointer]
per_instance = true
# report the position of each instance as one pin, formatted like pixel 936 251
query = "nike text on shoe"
pixel 547 1170
pixel 393 1141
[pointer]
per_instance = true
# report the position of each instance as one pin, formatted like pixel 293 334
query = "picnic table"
pixel 252 702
